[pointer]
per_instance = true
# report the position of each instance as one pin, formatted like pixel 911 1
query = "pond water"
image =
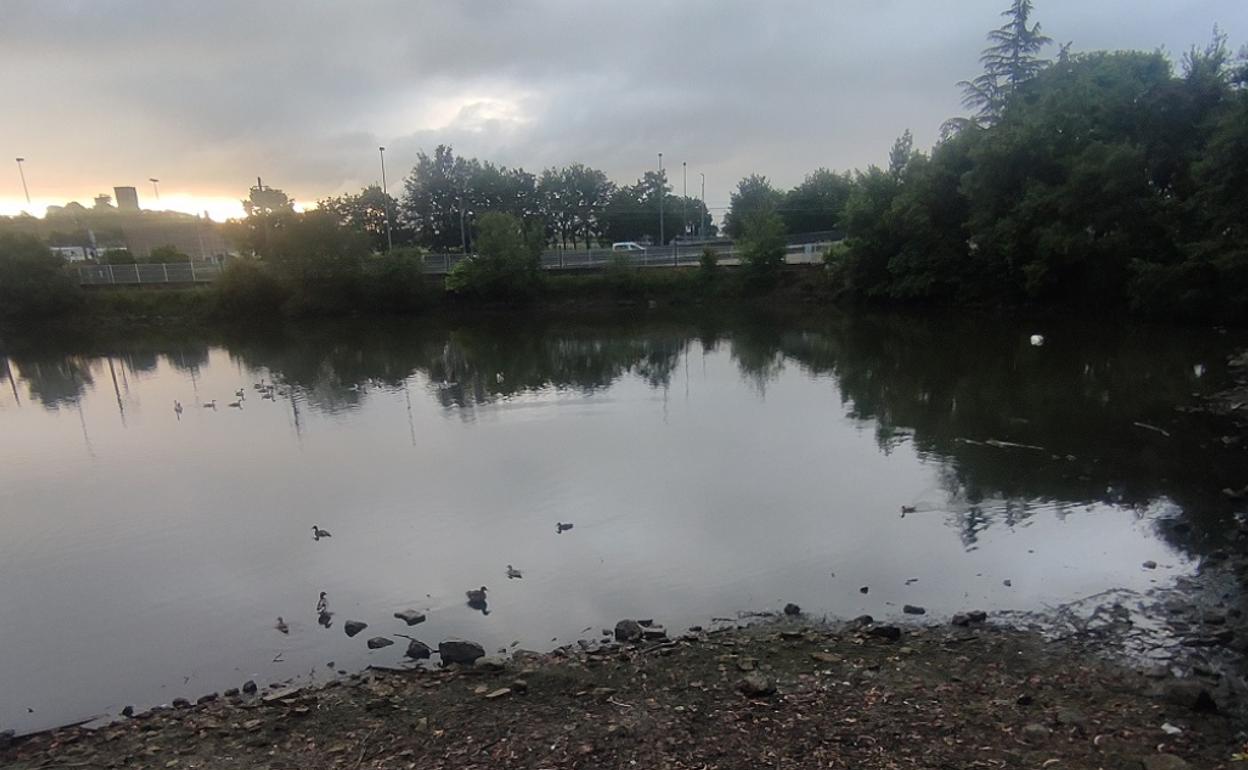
pixel 709 468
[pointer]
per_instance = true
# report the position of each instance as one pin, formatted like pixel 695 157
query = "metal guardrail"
pixel 667 256
pixel 155 273
pixel 440 264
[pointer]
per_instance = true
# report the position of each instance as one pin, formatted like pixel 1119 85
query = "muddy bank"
pixel 781 694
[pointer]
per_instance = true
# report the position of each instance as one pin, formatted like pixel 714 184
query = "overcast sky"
pixel 210 94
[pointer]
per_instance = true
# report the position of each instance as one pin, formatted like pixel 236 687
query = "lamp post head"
pixel 381 149
pixel 19 160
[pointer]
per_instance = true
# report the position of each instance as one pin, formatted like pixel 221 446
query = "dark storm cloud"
pixel 209 94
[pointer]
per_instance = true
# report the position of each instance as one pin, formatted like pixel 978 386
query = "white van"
pixel 627 246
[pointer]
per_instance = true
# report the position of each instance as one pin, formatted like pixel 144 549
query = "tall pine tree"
pixel 1011 60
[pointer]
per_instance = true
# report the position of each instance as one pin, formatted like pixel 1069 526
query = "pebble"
pixel 1150 564
pixel 864 589
pixel 181 703
pixel 377 642
pixel 911 609
pixel 1035 732
pixel 353 627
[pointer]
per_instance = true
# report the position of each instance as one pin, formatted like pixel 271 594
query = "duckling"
pixel 513 573
pixel 476 598
pixel 318 533
pixel 242 394
pixel 211 404
pixel 177 407
pixel 280 625
pixel 560 527
pixel 235 404
pixel 907 509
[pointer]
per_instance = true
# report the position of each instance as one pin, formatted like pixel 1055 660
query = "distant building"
pixel 71 253
pixel 127 198
pixel 103 201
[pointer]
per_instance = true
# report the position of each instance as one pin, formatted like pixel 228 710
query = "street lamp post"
pixel 684 198
pixel 661 196
pixel 22 174
pixel 705 210
pixel 155 187
pixel 385 198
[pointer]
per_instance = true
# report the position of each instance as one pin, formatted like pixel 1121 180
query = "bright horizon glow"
pixel 218 208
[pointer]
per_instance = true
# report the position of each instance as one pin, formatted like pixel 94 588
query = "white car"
pixel 627 246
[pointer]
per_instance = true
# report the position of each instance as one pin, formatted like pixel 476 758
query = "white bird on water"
pixel 1037 340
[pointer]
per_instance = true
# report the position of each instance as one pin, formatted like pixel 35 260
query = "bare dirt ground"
pixel 783 694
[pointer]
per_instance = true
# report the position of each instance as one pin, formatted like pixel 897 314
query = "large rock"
pixel 460 651
pixel 1189 694
pixel 792 609
pixel 410 617
pixel 756 685
pixel 628 631
pixel 418 650
pixel 353 627
pixel 377 642
pixel 891 633
pixel 1163 762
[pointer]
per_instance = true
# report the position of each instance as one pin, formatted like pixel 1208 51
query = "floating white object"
pixel 1037 339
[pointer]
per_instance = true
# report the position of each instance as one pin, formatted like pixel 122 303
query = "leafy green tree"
pixel 507 263
pixel 366 212
pixel 33 281
pixel 753 194
pixel 1011 60
pixel 818 203
pixel 762 247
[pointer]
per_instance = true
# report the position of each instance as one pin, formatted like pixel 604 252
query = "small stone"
pixel 181 703
pixel 864 589
pixel 628 631
pixel 1163 762
pixel 209 698
pixel 410 617
pixel 377 642
pixel 128 711
pixel 654 632
pixel 825 657
pixel 891 633
pixel 499 693
pixel 231 692
pixel 353 627
pixel 460 651
pixel 1072 718
pixel 862 621
pixel 792 609
pixel 911 609
pixel 960 619
pixel 1150 564
pixel 977 616
pixel 249 687
pixel 520 686
pixel 418 650
pixel 1007 583
pixel 489 663
pixel 756 685
pixel 1035 733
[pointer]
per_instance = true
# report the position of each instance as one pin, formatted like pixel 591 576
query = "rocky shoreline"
pixel 786 691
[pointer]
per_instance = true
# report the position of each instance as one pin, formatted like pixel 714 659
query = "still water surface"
pixel 708 470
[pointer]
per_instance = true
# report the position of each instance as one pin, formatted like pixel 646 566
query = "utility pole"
pixel 684 199
pixel 22 174
pixel 385 198
pixel 155 187
pixel 661 196
pixel 705 211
